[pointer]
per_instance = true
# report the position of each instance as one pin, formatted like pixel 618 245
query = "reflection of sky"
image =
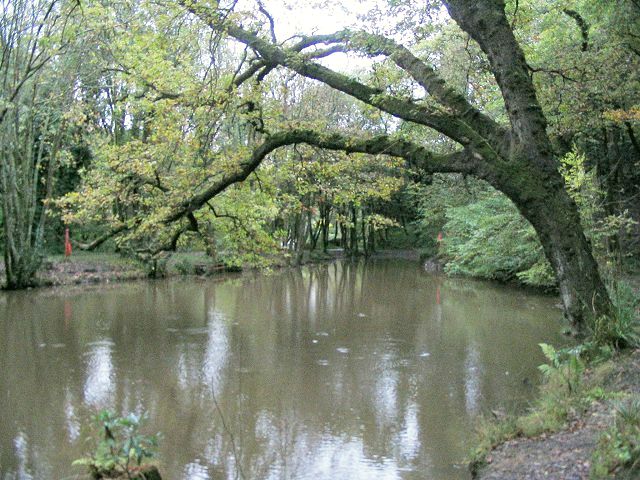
pixel 21 448
pixel 299 454
pixel 313 304
pixel 346 457
pixel 100 382
pixel 217 352
pixel 385 395
pixel 193 367
pixel 184 369
pixel 71 420
pixel 472 379
pixel 409 437
pixel 196 471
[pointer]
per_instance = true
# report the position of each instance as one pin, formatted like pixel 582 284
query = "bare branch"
pixel 427 78
pixel 100 240
pixel 442 121
pixel 272 28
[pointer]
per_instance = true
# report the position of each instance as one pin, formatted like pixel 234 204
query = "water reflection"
pixel 99 384
pixel 471 379
pixel 335 371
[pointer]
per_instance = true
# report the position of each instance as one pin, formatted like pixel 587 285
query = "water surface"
pixel 338 371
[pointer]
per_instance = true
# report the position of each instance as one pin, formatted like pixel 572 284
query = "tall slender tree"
pixel 34 90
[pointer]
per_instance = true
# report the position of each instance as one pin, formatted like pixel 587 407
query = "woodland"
pixel 501 136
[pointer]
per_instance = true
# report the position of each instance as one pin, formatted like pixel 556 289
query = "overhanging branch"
pixel 416 155
pixel 441 120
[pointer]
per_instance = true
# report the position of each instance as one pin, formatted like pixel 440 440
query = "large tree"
pixel 205 130
pixel 516 158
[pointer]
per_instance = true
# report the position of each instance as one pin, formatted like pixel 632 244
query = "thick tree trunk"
pixel 372 239
pixel 363 228
pixel 556 220
pixel 353 232
pixel 528 169
pixel 324 215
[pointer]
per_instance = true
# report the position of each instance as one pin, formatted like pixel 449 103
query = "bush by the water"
pixel 120 449
pixel 490 239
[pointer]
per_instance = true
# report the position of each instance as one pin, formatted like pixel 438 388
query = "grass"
pixel 621 331
pixel 555 407
pixel 618 451
pixel 179 263
pixel 103 258
pixel 196 263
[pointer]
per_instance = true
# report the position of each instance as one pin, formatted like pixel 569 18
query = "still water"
pixel 337 371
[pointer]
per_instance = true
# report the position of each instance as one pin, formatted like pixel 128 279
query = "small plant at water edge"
pixel 622 330
pixel 120 449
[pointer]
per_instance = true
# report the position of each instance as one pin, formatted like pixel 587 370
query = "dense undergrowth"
pixel 482 234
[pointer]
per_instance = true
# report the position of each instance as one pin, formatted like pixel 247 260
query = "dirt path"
pixel 564 455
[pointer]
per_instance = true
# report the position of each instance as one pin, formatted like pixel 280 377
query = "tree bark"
pixel 557 223
pixel 530 174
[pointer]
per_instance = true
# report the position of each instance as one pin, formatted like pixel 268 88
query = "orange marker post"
pixel 67 243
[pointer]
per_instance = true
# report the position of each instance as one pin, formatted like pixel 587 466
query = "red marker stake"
pixel 67 243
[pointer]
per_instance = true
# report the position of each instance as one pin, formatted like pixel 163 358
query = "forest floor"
pixel 568 453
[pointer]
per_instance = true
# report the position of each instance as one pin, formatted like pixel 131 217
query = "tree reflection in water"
pixel 342 370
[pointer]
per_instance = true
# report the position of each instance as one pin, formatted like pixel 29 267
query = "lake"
pixel 368 370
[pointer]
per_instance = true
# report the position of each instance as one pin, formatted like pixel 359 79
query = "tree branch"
pixel 416 155
pixel 582 25
pixel 442 121
pixel 428 79
pixel 100 240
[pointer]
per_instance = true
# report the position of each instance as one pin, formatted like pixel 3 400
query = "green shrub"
pixel 621 330
pixel 184 267
pixel 565 367
pixel 490 239
pixel 618 451
pixel 539 275
pixel 600 227
pixel 120 448
pixel 491 433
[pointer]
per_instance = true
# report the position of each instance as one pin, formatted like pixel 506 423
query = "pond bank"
pixel 590 444
pixel 87 268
